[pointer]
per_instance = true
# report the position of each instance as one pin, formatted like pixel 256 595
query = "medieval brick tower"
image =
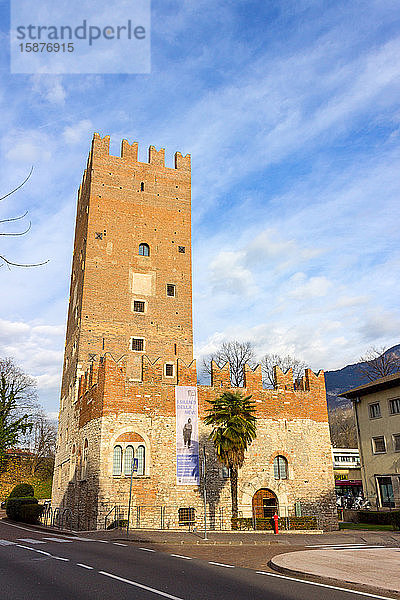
pixel 129 354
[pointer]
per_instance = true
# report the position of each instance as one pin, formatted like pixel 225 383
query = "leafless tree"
pixel 6 261
pixel 378 362
pixel 18 405
pixel 237 354
pixel 42 444
pixel 343 428
pixel 269 361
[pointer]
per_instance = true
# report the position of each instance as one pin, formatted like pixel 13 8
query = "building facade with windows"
pixel 128 352
pixel 377 412
pixel 347 472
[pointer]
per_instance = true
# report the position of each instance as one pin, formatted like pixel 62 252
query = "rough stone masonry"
pixel 129 342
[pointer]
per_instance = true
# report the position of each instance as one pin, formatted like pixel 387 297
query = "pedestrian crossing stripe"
pixel 30 540
pixel 6 543
pixel 60 540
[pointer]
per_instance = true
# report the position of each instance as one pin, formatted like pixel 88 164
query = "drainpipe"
pixel 357 401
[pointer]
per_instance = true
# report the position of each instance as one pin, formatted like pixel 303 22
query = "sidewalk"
pixel 375 567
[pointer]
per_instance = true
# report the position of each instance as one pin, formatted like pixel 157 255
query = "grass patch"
pixel 367 526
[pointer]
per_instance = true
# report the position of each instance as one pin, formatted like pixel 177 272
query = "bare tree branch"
pixel 269 361
pixel 19 233
pixel 19 186
pixel 378 362
pixel 342 427
pixel 237 354
pixel 5 260
pixel 14 218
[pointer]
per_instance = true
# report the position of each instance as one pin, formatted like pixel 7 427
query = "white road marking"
pixel 221 564
pixel 331 587
pixel 147 549
pixel 118 544
pixel 33 549
pixel 6 543
pixel 59 540
pixel 79 539
pixel 60 558
pixel 84 566
pixel 19 527
pixel 140 585
pixel 102 541
pixel 340 546
pixel 180 556
pixel 30 540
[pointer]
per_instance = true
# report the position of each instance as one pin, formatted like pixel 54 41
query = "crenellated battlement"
pixel 129 153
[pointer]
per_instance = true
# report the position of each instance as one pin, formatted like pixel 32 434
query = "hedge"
pixel 22 490
pixel 24 509
pixel 284 523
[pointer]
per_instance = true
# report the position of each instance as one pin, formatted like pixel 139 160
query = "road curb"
pixel 325 579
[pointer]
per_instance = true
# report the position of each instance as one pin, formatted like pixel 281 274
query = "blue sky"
pixel 291 112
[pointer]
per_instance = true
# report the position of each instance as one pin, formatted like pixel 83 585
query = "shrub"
pixel 375 517
pixel 14 506
pixel 30 513
pixel 22 490
pixel 395 520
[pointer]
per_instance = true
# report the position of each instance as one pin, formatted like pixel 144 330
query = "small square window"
pixel 379 445
pixel 374 410
pixel 396 442
pixel 171 288
pixel 98 235
pixel 138 344
pixel 182 249
pixel 138 306
pixel 169 370
pixel 394 406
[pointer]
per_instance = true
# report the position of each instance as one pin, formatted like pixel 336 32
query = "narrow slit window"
pixel 141 455
pixel 128 460
pixel 169 370
pixel 142 186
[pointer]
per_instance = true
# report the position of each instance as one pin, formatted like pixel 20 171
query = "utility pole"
pixel 204 465
pixel 133 469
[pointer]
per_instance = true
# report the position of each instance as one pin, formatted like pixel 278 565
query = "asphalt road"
pixel 35 565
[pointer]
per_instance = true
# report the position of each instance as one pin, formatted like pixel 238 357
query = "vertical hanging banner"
pixel 187 435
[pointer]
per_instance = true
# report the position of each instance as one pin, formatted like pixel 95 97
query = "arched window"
pixel 117 460
pixel 72 464
pixel 85 459
pixel 144 250
pixel 128 458
pixel 280 467
pixel 142 186
pixel 140 455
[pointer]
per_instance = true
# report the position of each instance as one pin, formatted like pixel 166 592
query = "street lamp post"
pixel 204 492
pixel 133 469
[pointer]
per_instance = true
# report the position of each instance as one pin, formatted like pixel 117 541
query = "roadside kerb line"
pixel 60 558
pixel 180 556
pixel 221 564
pixel 331 587
pixel 147 549
pixel 140 585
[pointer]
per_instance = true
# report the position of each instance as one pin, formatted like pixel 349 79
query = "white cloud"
pixel 74 134
pixel 303 288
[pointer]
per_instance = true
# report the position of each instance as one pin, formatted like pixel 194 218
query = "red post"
pixel 275 517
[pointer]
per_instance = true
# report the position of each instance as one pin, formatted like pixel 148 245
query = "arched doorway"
pixel 265 504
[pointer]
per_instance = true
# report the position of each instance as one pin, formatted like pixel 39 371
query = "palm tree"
pixel 233 418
